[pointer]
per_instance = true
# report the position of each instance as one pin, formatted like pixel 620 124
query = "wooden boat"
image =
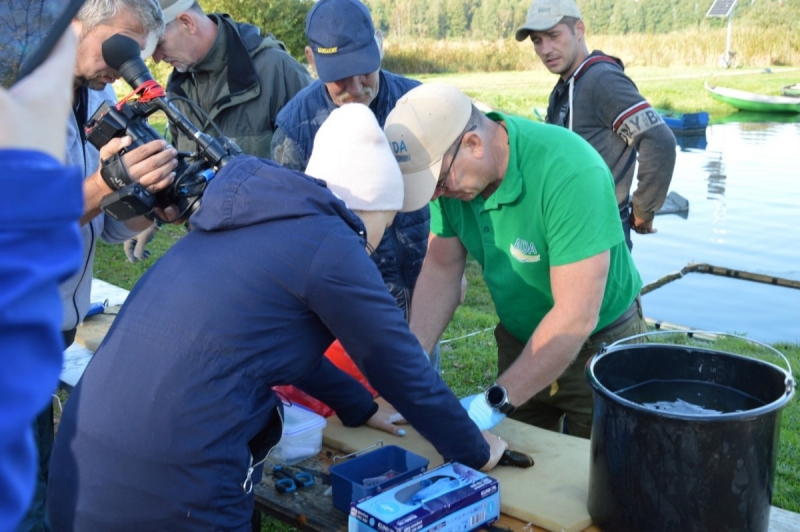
pixel 750 101
pixel 791 90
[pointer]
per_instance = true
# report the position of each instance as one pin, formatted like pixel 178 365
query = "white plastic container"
pixel 302 435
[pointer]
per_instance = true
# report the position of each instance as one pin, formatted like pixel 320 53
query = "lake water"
pixel 744 214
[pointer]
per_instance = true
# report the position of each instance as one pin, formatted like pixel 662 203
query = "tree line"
pixel 498 19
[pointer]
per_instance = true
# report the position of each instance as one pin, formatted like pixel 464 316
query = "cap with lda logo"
pixel 421 128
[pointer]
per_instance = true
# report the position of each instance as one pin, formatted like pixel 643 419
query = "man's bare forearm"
pixel 438 290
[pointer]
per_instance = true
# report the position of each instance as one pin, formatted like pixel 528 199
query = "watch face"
pixel 495 396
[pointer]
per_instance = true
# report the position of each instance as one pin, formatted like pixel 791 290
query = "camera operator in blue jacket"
pixel 170 423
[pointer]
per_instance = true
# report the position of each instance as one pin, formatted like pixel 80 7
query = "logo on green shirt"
pixel 524 251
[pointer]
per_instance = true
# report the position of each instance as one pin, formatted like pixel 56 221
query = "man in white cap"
pixel 171 422
pixel 534 205
pixel 238 76
pixel 595 99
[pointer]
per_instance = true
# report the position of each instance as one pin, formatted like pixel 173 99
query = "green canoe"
pixel 750 101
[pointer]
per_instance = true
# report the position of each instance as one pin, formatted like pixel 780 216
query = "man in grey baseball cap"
pixel 594 98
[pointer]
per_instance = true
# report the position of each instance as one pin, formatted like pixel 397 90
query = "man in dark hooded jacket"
pixel 239 77
pixel 172 419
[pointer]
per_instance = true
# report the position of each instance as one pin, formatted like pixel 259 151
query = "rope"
pixel 724 272
pixel 465 336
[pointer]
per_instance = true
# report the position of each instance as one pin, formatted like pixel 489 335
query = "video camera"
pixel 129 117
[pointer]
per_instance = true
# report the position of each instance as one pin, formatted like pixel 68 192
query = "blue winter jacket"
pixel 400 253
pixel 40 246
pixel 176 404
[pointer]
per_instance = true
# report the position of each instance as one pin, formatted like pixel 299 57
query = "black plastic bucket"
pixel 653 470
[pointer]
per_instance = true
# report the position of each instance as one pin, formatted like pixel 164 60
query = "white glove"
pixel 480 412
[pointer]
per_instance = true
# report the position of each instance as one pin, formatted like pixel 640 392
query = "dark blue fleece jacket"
pixel 161 429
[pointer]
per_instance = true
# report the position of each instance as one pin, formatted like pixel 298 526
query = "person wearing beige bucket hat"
pixel 275 269
pixel 534 205
pixel 594 98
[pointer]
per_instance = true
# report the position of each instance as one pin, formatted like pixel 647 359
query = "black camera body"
pixel 129 117
pixel 129 199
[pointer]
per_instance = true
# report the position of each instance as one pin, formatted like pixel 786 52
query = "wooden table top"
pixel 312 509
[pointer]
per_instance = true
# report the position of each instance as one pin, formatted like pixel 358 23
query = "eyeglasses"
pixel 440 184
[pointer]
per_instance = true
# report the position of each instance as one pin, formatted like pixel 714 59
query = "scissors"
pixel 287 483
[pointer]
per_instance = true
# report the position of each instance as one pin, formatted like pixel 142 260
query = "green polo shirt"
pixel 555 206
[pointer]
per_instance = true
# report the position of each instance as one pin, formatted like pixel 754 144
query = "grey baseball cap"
pixel 544 14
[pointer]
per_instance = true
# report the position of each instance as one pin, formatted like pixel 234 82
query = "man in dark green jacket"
pixel 239 77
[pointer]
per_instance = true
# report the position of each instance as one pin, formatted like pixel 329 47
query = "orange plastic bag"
pixel 341 360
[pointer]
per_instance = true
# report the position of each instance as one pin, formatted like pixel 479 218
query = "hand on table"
pixel 385 418
pixel 497 447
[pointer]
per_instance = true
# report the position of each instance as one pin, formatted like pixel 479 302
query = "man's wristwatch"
pixel 497 398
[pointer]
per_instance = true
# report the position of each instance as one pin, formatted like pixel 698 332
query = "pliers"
pixel 287 483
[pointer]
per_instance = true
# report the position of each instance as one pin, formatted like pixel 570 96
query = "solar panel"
pixel 721 8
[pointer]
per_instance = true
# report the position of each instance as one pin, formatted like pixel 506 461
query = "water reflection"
pixel 744 199
pixel 716 177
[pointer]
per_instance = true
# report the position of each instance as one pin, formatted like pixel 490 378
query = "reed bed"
pixel 697 47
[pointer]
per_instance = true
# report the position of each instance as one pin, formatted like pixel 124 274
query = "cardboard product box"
pixel 449 498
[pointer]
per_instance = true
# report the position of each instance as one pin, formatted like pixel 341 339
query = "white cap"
pixel 173 8
pixel 421 128
pixel 544 14
pixel 351 154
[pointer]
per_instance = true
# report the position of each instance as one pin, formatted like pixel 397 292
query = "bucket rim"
pixel 788 380
pixel 773 406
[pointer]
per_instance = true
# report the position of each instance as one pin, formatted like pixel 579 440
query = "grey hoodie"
pixel 76 291
pixel 602 105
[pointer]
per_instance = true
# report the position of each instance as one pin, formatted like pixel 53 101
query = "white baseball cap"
pixel 421 128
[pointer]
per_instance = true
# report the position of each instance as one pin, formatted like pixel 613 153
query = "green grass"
pixel 678 89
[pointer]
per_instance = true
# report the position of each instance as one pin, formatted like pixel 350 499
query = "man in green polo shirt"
pixel 534 204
